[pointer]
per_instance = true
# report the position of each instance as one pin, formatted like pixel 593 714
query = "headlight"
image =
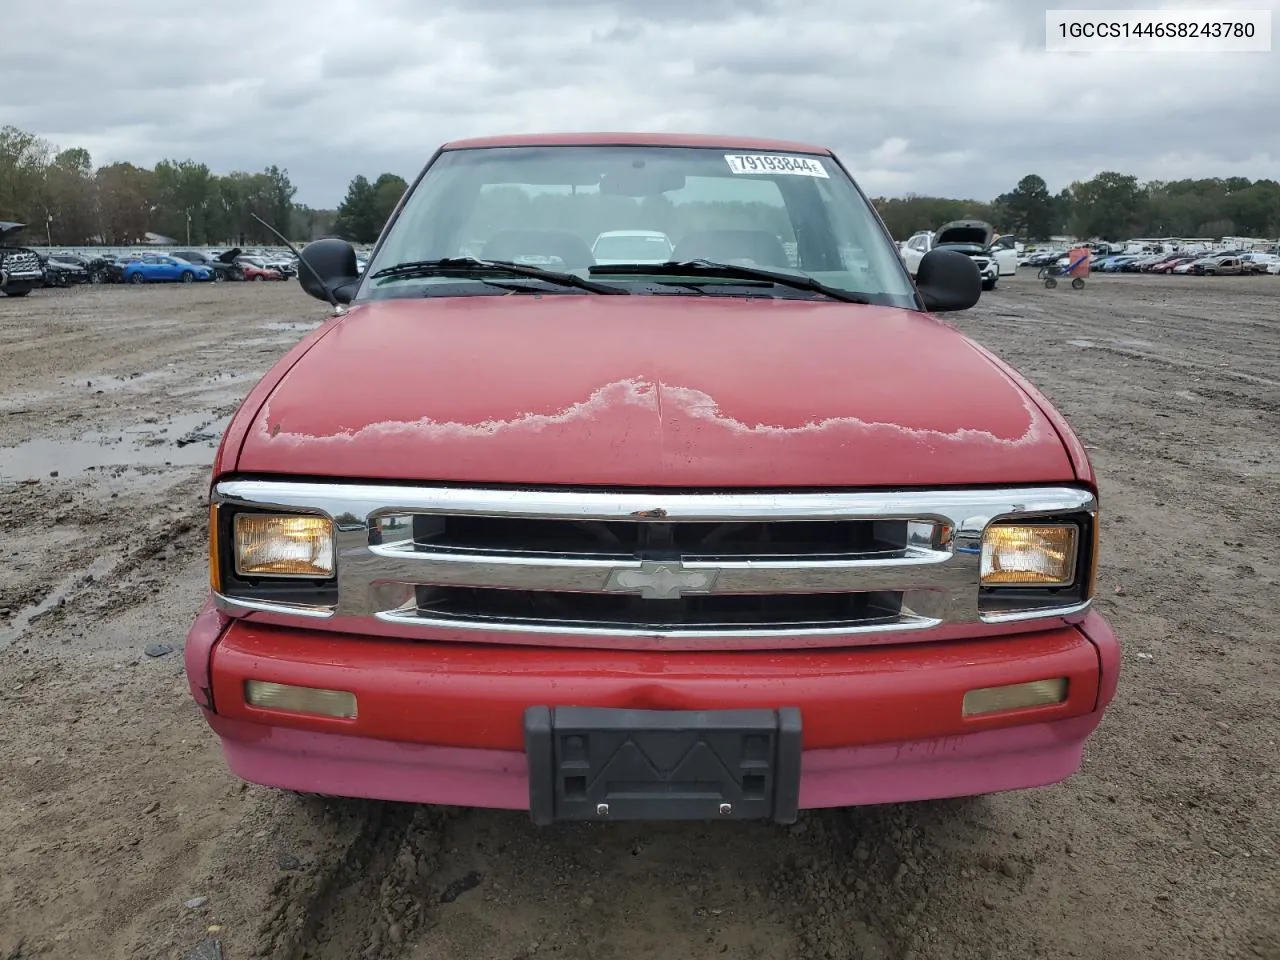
pixel 268 545
pixel 1029 555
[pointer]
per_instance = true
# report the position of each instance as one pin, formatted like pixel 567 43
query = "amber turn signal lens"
pixel 283 546
pixel 1017 696
pixel 215 565
pixel 291 699
pixel 1029 555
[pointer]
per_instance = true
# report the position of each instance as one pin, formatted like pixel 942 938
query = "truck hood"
pixel 9 230
pixel 648 391
pixel 975 232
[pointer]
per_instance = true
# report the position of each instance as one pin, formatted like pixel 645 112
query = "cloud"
pixel 958 98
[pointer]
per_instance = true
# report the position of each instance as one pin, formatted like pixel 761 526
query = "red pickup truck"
pixel 730 535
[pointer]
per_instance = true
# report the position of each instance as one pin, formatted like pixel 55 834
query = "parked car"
pixel 255 268
pixel 158 269
pixel 662 541
pixel 1143 263
pixel 284 264
pixel 114 271
pixel 1191 266
pixel 1117 264
pixel 1257 263
pixel 1225 267
pixel 64 269
pixel 21 270
pixel 972 238
pixel 1169 266
pixel 222 266
pixel 1135 264
pixel 1041 258
pixel 632 246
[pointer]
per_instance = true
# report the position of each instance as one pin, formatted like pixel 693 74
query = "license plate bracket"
pixel 594 763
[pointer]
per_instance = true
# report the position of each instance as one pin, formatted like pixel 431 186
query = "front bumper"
pixel 442 722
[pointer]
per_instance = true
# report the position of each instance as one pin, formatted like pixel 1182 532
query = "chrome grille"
pixel 21 263
pixel 720 569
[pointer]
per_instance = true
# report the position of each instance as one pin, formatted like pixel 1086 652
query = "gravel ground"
pixel 124 836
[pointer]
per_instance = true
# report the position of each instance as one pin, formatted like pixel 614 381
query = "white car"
pixel 973 238
pixel 1261 262
pixel 632 246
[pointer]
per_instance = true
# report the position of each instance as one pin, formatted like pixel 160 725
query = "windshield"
pixel 585 209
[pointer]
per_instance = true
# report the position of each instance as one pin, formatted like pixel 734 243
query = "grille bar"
pixel 397 563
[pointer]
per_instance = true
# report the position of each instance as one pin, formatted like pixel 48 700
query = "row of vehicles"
pixel 1195 262
pixel 1221 263
pixel 65 268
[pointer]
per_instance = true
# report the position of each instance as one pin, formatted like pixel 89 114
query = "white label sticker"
pixel 776 163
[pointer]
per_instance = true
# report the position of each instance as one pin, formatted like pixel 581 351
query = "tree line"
pixel 64 199
pixel 1110 206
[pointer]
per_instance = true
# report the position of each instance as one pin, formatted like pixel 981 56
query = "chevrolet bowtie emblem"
pixel 661 580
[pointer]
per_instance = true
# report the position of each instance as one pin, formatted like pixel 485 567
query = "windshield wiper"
pixel 710 268
pixel 470 266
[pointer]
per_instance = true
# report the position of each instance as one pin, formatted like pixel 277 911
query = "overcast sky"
pixel 954 97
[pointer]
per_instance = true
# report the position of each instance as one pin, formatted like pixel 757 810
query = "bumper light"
pixel 283 546
pixel 1018 696
pixel 1029 555
pixel 291 699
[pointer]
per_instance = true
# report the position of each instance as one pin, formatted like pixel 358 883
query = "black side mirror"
pixel 948 280
pixel 327 270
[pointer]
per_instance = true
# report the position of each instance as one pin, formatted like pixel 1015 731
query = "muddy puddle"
pixel 218 389
pixel 90 385
pixel 56 596
pixel 292 326
pixel 184 440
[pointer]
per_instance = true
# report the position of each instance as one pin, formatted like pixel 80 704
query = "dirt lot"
pixel 123 835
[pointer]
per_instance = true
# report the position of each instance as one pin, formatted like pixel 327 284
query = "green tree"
pixel 357 218
pixel 1110 206
pixel 183 192
pixel 24 158
pixel 125 199
pixel 1028 209
pixel 914 213
pixel 70 196
pixel 387 191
